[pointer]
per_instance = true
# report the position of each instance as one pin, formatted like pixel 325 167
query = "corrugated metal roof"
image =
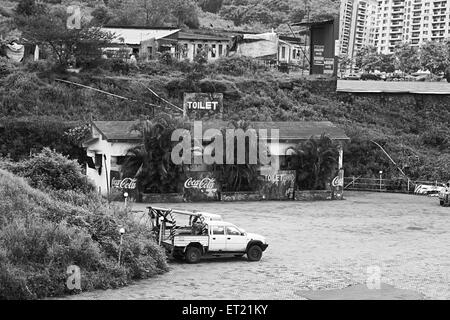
pixel 291 130
pixel 205 37
pixel 297 130
pixel 117 130
pixel 137 35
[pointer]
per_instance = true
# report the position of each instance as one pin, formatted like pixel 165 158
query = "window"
pixel 283 52
pixel 150 52
pixel 98 160
pixel 218 230
pixel 220 50
pixel 232 231
pixel 213 51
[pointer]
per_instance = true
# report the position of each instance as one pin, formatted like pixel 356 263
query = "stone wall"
pixel 162 198
pixel 237 196
pixel 240 196
pixel 312 195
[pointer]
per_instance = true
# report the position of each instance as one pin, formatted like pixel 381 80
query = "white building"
pixel 357 25
pixel 107 148
pixel 147 43
pixel 111 140
pixel 387 23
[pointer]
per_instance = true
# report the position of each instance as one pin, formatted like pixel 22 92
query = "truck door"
pixel 217 238
pixel 236 242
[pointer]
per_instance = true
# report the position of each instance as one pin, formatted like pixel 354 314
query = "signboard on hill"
pixel 199 105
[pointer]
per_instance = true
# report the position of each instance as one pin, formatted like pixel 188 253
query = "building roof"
pixel 399 87
pixel 313 23
pixel 117 130
pixel 291 130
pixel 137 35
pixel 204 37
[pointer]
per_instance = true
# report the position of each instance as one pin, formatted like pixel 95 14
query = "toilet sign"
pixel 197 105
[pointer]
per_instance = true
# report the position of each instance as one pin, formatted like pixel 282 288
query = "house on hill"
pixel 147 43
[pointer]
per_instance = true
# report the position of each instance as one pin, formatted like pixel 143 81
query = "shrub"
pixel 436 137
pixel 49 169
pixel 41 235
pixel 235 66
pixel 19 138
pixel 6 67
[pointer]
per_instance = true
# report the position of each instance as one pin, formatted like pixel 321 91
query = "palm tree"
pixel 314 161
pixel 151 162
pixel 238 177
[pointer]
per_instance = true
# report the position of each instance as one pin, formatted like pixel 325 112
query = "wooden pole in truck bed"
pixel 188 213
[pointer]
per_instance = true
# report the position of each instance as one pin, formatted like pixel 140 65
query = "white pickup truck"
pixel 207 235
pixel 219 238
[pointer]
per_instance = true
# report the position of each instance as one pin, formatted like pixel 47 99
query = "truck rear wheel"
pixel 193 255
pixel 254 253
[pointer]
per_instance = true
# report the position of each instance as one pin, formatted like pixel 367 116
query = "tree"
pixel 238 177
pixel 102 15
pixel 367 58
pixel 153 13
pixel 314 161
pixel 29 8
pixel 434 56
pixel 49 29
pixel 151 162
pixel 49 169
pixel 407 58
pixel 185 12
pixel 386 63
pixel 213 6
pixel 345 63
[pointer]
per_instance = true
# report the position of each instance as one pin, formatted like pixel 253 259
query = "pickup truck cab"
pixel 215 239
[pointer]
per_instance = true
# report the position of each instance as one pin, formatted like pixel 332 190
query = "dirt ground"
pixel 316 246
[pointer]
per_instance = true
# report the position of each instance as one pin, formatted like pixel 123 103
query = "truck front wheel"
pixel 193 255
pixel 254 253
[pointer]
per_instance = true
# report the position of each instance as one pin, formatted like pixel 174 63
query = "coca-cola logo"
pixel 337 182
pixel 205 183
pixel 127 183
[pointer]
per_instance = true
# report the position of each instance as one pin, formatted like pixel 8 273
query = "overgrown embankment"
pixel 59 223
pixel 415 131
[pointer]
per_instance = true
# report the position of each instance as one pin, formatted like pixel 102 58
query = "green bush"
pixel 7 67
pixel 235 66
pixel 41 235
pixel 49 169
pixel 436 137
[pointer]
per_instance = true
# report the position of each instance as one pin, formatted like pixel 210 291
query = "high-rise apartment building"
pixel 386 23
pixel 357 25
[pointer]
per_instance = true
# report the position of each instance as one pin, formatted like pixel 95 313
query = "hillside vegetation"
pixel 417 135
pixel 248 15
pixel 44 231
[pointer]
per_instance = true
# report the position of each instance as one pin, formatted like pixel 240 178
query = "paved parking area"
pixel 316 246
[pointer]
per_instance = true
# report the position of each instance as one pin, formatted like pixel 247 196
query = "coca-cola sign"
pixel 201 186
pixel 127 183
pixel 205 183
